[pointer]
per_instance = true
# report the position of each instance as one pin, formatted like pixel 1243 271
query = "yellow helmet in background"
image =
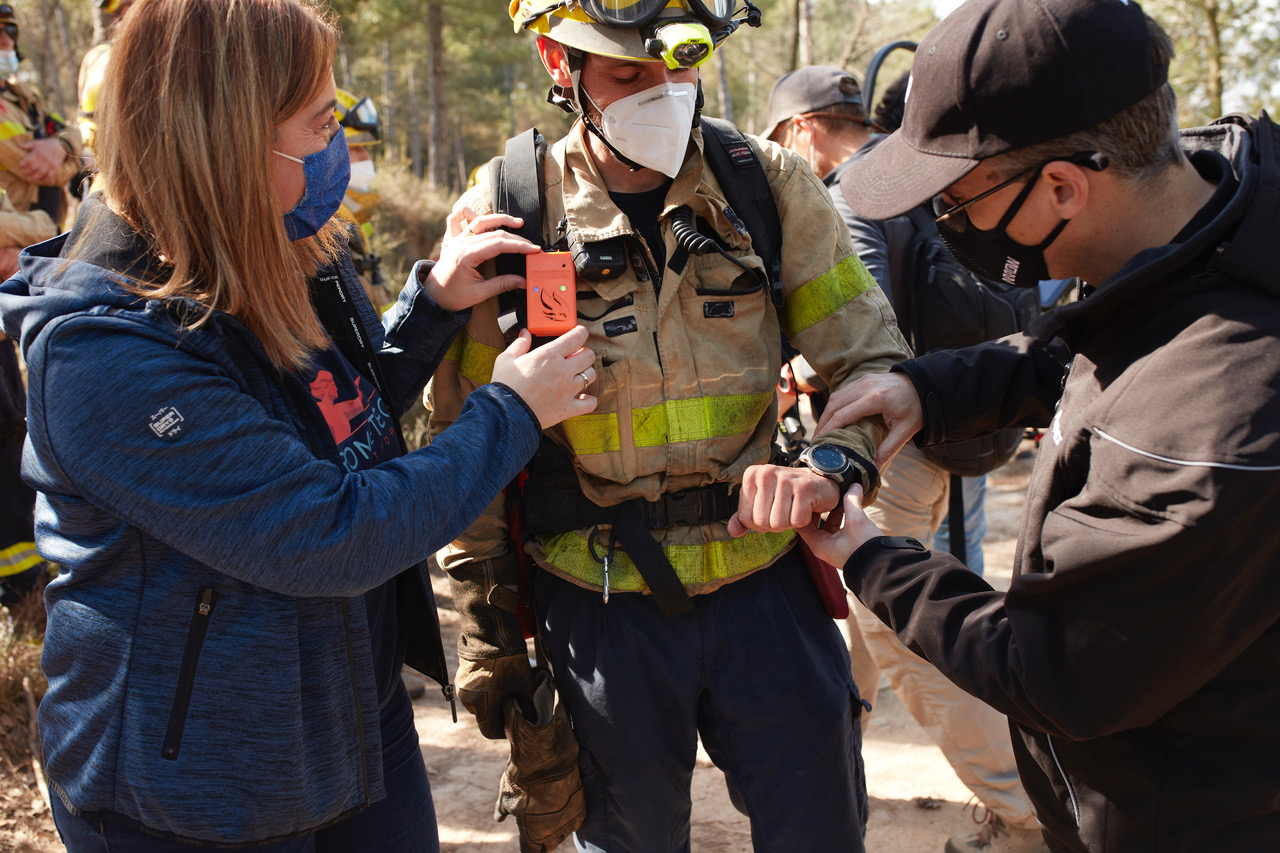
pixel 359 119
pixel 681 33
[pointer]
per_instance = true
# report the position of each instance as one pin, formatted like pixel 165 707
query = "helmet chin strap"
pixel 571 101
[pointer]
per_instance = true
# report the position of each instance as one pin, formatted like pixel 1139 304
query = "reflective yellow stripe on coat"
pixel 475 360
pixel 825 295
pixel 18 558
pixel 694 564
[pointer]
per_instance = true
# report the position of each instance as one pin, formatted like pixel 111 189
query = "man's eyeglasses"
pixel 11 30
pixel 942 213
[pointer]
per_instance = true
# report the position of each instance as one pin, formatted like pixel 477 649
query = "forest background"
pixel 453 82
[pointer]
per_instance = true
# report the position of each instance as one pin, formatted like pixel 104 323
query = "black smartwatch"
pixel 833 462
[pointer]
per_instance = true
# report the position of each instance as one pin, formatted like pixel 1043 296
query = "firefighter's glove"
pixel 541 785
pixel 485 685
pixel 493 662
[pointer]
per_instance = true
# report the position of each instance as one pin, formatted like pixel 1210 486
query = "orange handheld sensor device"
pixel 551 293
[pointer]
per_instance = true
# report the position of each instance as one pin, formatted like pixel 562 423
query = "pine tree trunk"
pixel 726 100
pixel 387 109
pixel 415 126
pixel 50 84
pixel 438 144
pixel 1213 62
pixel 804 33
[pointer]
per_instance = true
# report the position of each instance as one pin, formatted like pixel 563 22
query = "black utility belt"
pixel 550 509
pixel 555 510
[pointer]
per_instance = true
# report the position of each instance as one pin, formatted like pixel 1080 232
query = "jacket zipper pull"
pixel 206 602
pixel 447 690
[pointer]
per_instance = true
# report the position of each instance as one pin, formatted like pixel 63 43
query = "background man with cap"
pixel 1135 651
pixel 689 351
pixel 818 112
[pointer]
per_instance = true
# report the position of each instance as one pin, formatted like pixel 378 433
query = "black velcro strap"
pixel 551 505
pixel 650 561
pixel 689 507
pixel 551 510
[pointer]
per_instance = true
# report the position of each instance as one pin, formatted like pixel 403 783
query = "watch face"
pixel 828 458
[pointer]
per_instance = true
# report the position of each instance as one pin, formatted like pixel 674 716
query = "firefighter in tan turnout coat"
pixel 734 644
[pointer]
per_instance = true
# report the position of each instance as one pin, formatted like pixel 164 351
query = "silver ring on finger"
pixel 585 380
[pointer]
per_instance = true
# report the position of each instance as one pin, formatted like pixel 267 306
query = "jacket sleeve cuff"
pixel 508 392
pixel 414 293
pixel 860 560
pixel 934 430
pixel 868 475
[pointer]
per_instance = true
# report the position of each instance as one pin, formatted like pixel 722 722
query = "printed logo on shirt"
pixel 355 413
pixel 167 424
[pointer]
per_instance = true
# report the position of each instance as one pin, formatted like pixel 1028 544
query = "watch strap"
pixel 860 470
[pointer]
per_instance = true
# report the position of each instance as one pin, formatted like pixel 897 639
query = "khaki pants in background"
pixel 973 737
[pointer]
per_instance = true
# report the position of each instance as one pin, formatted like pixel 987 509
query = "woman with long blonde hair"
pixel 213 410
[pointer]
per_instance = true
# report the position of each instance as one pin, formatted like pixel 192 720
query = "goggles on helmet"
pixel 681 33
pixel 637 13
pixel 363 116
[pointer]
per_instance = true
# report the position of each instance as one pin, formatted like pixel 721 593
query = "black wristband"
pixel 906 543
pixel 898 543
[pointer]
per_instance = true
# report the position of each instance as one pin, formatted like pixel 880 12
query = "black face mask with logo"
pixel 992 253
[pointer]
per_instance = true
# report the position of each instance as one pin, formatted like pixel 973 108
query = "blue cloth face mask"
pixel 327 172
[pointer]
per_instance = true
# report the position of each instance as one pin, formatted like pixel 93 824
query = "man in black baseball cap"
pixel 1135 649
pixel 817 111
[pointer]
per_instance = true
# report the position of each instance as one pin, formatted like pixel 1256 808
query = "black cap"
pixel 808 90
pixel 998 75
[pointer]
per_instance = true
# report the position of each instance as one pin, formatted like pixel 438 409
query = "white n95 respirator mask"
pixel 652 127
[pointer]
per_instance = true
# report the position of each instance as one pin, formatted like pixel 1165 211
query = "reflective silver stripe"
pixel 1187 463
pixel 1075 804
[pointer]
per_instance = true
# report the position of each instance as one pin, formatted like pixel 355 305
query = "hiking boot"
pixel 994 836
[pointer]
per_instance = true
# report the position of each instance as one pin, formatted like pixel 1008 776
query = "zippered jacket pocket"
pixel 207 598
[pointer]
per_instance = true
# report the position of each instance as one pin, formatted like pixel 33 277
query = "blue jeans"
pixel 758 669
pixel 975 524
pixel 404 821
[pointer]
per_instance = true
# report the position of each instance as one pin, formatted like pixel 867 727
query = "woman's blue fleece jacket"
pixel 207 648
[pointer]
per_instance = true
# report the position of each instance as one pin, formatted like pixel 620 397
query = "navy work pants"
pixel 758 669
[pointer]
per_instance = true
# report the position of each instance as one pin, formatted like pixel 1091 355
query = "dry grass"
pixel 25 824
pixel 409 221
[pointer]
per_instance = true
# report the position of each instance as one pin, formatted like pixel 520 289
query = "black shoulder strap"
pixel 907 295
pixel 741 176
pixel 921 219
pixel 517 190
pixel 517 183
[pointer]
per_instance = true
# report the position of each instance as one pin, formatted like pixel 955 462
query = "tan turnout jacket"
pixel 685 378
pixel 16 126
